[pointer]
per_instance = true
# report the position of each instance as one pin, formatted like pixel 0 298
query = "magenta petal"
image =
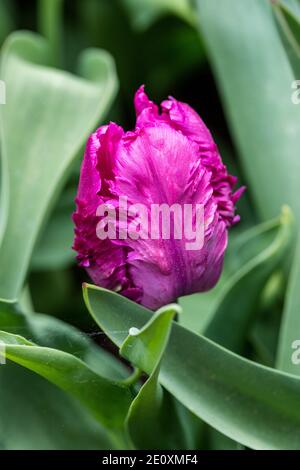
pixel 170 158
pixel 185 119
pixel 104 261
pixel 142 102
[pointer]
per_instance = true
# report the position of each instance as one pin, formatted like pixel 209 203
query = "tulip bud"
pixel 154 205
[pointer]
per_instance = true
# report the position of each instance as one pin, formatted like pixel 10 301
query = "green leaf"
pixel 57 421
pixel 255 77
pixel 145 12
pixel 53 333
pixel 250 259
pixel 152 405
pixel 107 401
pixel 218 441
pixel 290 327
pixel 3 196
pixel 50 26
pixel 58 112
pixel 145 347
pixel 50 411
pixel 237 307
pixel 252 404
pixel 289 27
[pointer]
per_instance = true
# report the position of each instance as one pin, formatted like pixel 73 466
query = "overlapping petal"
pixel 170 158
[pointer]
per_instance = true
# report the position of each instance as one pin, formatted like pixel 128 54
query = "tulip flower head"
pixel 154 205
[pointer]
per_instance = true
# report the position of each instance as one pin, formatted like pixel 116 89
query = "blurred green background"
pixel 234 62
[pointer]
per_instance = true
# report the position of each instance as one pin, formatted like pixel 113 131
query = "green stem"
pixel 133 378
pixel 50 13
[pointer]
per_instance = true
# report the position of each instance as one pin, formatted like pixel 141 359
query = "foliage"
pixel 215 370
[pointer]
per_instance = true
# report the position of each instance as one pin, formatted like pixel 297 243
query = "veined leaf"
pixel 251 258
pixel 290 327
pixel 53 333
pixel 57 421
pixel 288 17
pixel 255 77
pixel 145 347
pixel 252 404
pixel 48 116
pixel 239 298
pixel 152 421
pixel 50 410
pixel 73 376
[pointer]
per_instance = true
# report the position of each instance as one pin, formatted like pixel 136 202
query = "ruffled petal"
pixel 105 261
pixel 186 120
pixel 158 165
pixel 169 159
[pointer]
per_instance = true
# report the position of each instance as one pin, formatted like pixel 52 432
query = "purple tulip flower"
pixel 170 158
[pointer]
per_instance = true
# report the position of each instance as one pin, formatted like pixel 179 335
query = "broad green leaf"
pixel 293 5
pixel 49 410
pixel 3 195
pixel 46 120
pixel 25 301
pixel 144 12
pixel 107 401
pixel 218 441
pixel 255 77
pixel 288 16
pixel 152 421
pixel 252 404
pixel 36 415
pixel 289 26
pixel 53 333
pixel 145 347
pixel 265 331
pixel 250 259
pixel 290 328
pixel 230 323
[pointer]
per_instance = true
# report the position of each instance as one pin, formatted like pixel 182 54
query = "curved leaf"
pixel 252 404
pixel 74 377
pixel 288 17
pixel 49 410
pixel 152 421
pixel 48 116
pixel 238 301
pixel 255 77
pixel 57 421
pixel 290 327
pixel 251 258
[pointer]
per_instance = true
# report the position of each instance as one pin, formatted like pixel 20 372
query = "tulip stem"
pixel 133 378
pixel 51 27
